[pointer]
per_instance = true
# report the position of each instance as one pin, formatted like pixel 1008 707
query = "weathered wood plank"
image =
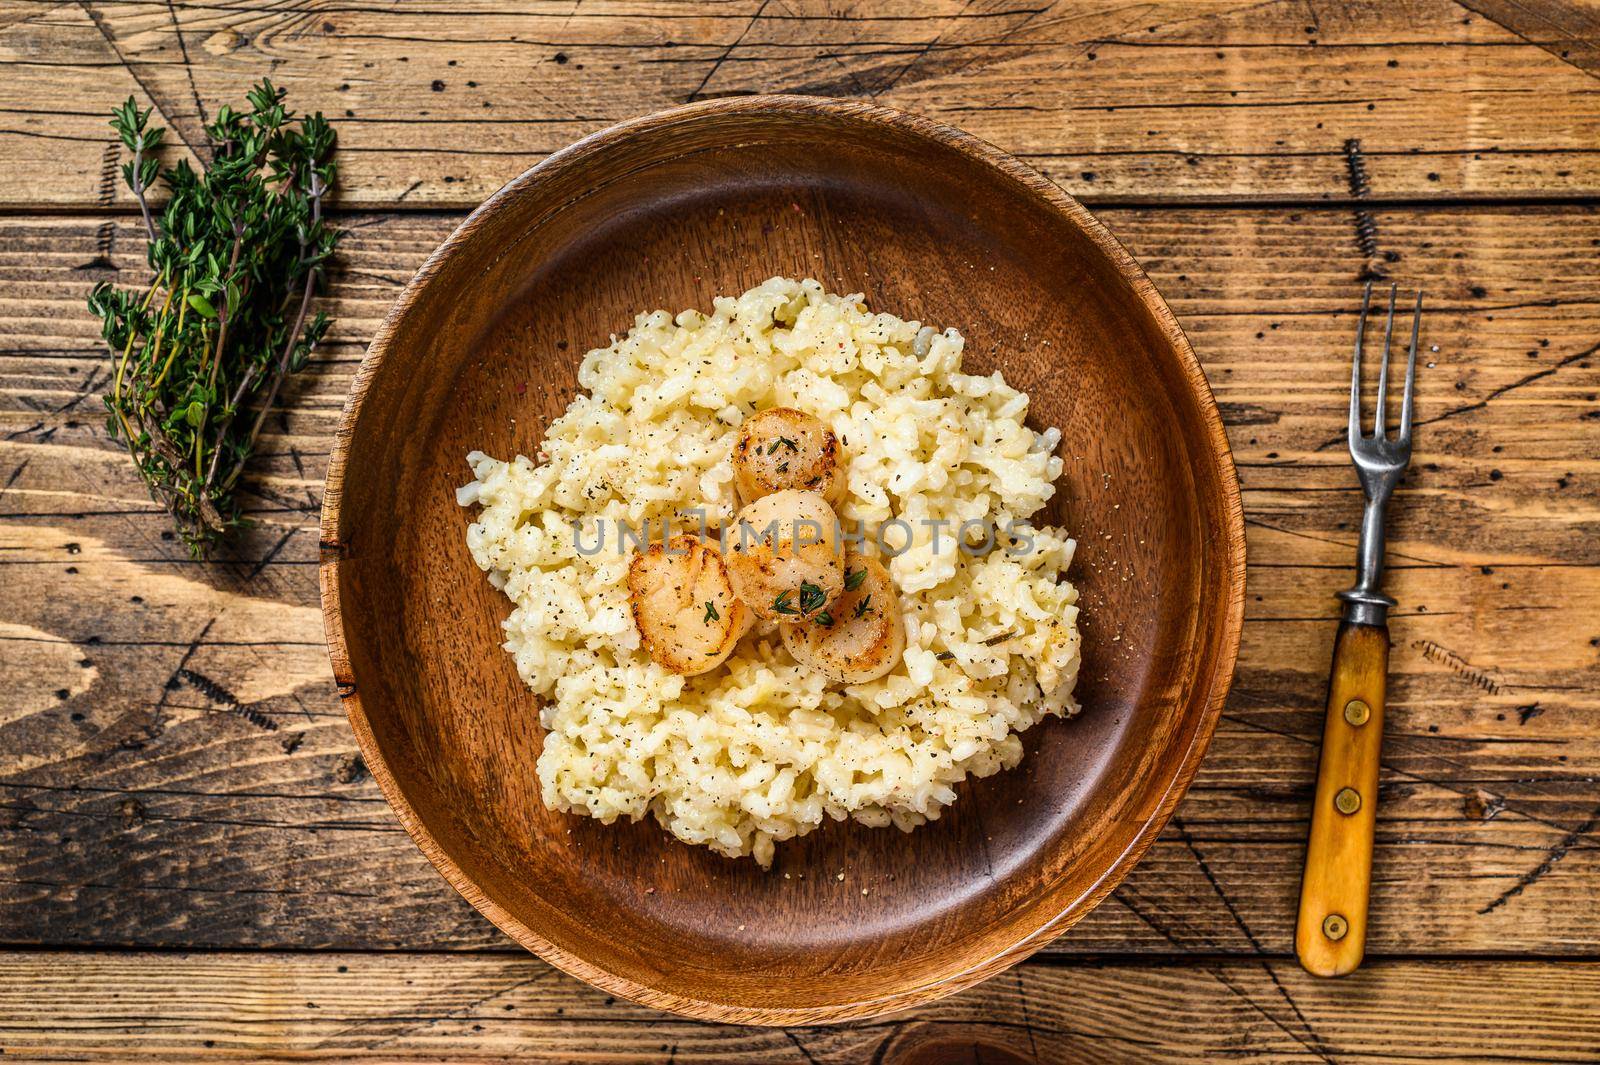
pixel 179 772
pixel 1160 101
pixel 1566 28
pixel 419 1007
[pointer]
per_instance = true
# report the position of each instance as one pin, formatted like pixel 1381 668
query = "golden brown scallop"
pixel 683 605
pixel 859 637
pixel 783 448
pixel 783 555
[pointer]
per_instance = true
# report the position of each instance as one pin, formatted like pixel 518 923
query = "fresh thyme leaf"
pixel 711 613
pixel 853 579
pixel 811 597
pixel 824 619
pixel 781 604
pixel 237 253
pixel 861 607
pixel 782 441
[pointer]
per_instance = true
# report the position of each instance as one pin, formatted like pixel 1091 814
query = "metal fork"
pixel 1330 936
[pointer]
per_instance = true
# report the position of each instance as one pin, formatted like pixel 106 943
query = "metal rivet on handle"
pixel 1348 800
pixel 1334 926
pixel 1357 712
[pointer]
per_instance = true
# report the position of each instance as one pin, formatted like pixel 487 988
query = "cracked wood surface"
pixel 419 1007
pixel 439 104
pixel 177 773
pixel 182 774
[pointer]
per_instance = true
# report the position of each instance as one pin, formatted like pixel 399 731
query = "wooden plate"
pixel 480 351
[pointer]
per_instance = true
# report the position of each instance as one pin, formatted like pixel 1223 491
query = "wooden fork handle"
pixel 1331 934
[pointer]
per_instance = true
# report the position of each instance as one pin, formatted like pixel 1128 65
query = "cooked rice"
pixel 763 749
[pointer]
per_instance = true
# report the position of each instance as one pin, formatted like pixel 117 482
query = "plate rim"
pixel 331 551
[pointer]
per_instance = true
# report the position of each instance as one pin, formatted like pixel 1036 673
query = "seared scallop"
pixel 783 555
pixel 783 448
pixel 860 636
pixel 683 605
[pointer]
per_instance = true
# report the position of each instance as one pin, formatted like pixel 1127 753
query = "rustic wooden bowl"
pixel 480 351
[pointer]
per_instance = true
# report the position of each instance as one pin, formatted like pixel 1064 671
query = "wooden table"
pixel 193 858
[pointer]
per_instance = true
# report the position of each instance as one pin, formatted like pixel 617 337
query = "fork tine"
pixel 1411 374
pixel 1355 373
pixel 1382 414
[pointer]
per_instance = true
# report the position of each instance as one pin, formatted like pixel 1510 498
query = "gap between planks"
pixel 1331 202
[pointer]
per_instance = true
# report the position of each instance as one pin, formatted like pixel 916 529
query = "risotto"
pixel 941 477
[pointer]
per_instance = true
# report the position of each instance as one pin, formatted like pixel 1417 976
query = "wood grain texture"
pixel 177 772
pixel 418 1007
pixel 1569 29
pixel 135 813
pixel 1331 932
pixel 440 104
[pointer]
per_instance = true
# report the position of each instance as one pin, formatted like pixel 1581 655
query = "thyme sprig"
pixel 812 598
pixel 237 254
